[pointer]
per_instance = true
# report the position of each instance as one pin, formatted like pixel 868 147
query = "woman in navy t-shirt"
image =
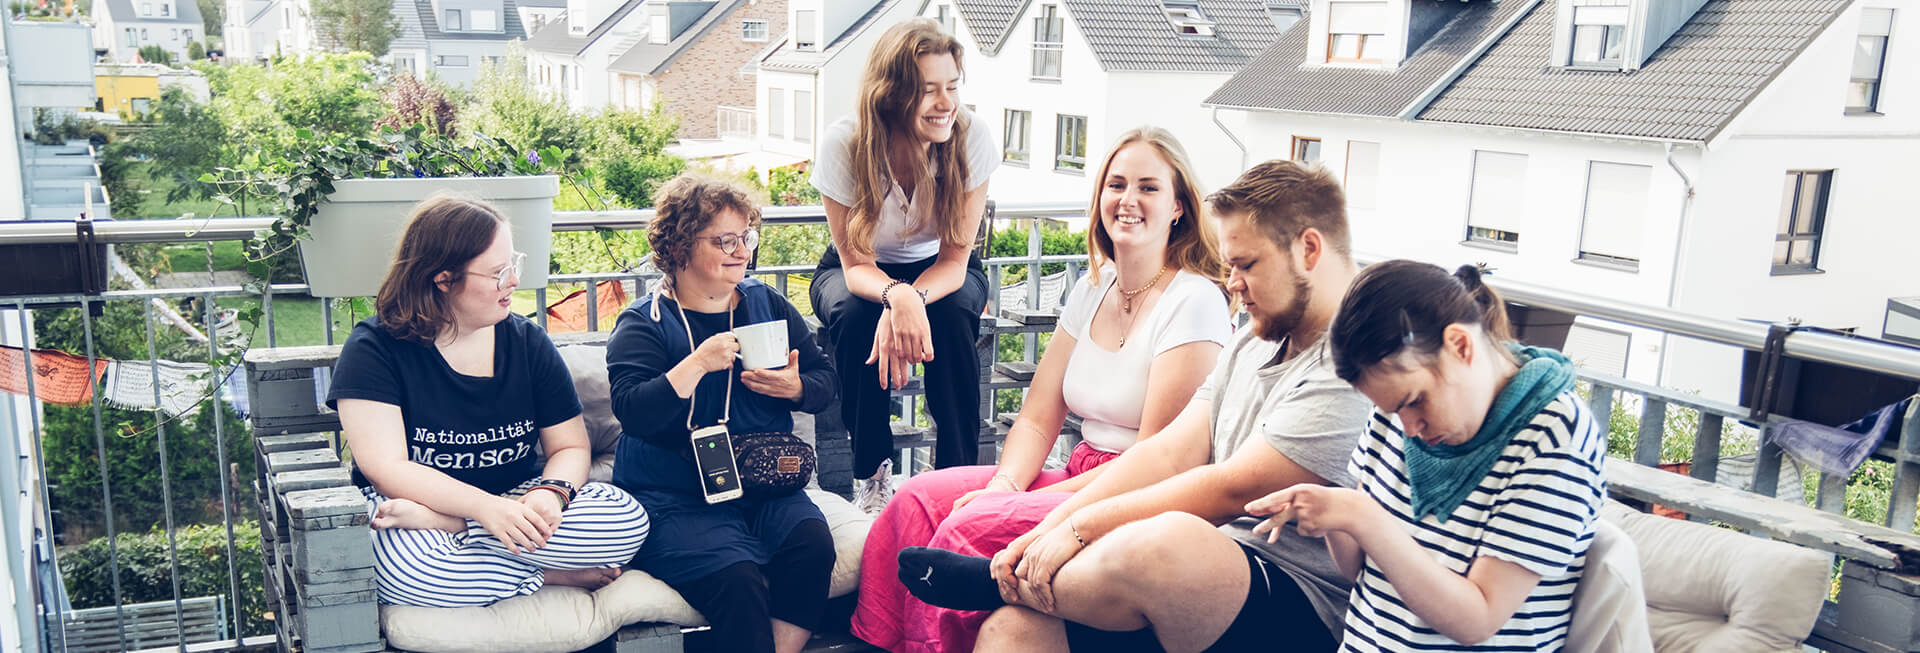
pixel 443 396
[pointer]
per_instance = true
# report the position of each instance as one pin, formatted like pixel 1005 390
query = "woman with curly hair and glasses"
pixel 756 566
pixel 443 395
pixel 904 182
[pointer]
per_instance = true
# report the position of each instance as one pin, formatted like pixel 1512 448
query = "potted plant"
pixel 344 200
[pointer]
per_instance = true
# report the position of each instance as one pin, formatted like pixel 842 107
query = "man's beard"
pixel 1276 326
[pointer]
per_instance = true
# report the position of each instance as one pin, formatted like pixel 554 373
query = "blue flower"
pixel 533 158
pixel 419 173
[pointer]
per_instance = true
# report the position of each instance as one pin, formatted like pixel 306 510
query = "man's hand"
pixel 1042 562
pixel 546 504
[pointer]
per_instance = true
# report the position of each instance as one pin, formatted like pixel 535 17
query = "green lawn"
pixel 227 255
pixel 153 203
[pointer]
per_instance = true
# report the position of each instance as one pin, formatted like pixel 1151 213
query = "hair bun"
pixel 1470 275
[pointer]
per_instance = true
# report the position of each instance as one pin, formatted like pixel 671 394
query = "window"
pixel 1187 18
pixel 1306 150
pixel 450 61
pixel 1803 216
pixel 944 15
pixel 166 9
pixel 657 31
pixel 485 20
pixel 1283 16
pixel 1903 320
pixel 1070 143
pixel 565 76
pixel 1013 145
pixel 754 31
pixel 133 38
pixel 403 63
pixel 1363 173
pixel 140 106
pixel 1599 36
pixel 1869 60
pixel 776 113
pixel 1496 198
pixel 286 16
pixel 146 9
pixel 1048 30
pixel 143 35
pixel 451 21
pixel 803 116
pixel 805 25
pixel 1610 225
pixel 576 77
pixel 1356 32
pixel 489 61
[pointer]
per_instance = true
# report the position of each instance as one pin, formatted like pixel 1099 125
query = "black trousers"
pixel 741 601
pixel 952 378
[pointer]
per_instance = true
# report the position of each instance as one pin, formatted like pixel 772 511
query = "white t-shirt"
pixel 1536 508
pixel 833 174
pixel 1108 389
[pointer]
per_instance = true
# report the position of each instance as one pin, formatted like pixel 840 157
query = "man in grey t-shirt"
pixel 1159 546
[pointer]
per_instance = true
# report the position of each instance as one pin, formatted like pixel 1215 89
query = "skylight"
pixel 1187 18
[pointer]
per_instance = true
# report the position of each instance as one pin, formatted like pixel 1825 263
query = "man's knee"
pixel 1148 550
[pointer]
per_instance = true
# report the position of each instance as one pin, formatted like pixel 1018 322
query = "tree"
pixel 411 101
pixel 357 25
pixel 186 139
pixel 213 15
pixel 507 106
pixel 156 54
pixel 261 107
pixel 195 51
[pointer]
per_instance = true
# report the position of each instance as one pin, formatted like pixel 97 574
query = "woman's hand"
pixel 716 353
pixel 912 336
pixel 894 372
pixel 515 524
pixel 1041 562
pixel 781 383
pixel 999 483
pixel 1008 559
pixel 546 504
pixel 1315 510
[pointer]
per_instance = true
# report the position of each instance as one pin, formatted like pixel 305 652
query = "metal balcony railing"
pixel 226 499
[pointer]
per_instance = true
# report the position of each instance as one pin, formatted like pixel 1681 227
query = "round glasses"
pixel 730 243
pixel 512 270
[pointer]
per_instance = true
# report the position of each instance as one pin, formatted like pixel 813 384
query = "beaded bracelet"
pixel 883 293
pixel 565 496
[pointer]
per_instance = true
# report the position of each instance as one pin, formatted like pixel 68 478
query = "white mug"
pixel 762 346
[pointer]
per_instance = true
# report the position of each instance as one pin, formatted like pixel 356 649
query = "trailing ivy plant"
pixel 299 181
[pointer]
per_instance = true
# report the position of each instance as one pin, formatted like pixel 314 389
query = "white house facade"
pixel 569 57
pixel 1059 80
pixel 453 40
pixel 1724 158
pixel 257 30
pixel 811 78
pixel 128 25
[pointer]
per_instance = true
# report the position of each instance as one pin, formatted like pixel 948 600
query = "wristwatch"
pixel 558 486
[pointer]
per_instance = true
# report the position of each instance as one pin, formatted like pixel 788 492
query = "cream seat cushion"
pixel 560 619
pixel 1750 594
pixel 1610 604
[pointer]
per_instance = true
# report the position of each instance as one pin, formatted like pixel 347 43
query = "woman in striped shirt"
pixel 1480 475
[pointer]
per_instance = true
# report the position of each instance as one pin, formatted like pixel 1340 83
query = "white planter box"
pixel 355 233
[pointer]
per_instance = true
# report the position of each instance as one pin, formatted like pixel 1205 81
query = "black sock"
pixel 949 580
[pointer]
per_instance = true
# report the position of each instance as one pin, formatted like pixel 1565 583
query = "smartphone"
pixel 713 456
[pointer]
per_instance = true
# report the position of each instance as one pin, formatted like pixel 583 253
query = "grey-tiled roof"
pixel 783 57
pixel 647 58
pixel 556 39
pixel 184 11
pixel 989 20
pixel 543 4
pixel 1691 87
pixel 510 28
pixel 1280 80
pixel 1135 35
pixel 412 36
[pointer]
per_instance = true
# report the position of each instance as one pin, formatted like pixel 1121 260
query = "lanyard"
pixel 725 407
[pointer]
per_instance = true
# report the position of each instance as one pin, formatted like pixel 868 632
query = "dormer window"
pixel 1283 15
pixel 1869 61
pixel 485 20
pixel 1187 19
pixel 657 32
pixel 943 14
pixel 1599 36
pixel 451 20
pixel 1356 32
pixel 806 22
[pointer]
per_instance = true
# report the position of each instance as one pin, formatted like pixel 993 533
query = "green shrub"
pixel 156 54
pixel 634 178
pixel 1054 239
pixel 195 51
pixel 146 569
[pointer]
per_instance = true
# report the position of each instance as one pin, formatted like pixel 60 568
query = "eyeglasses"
pixel 730 243
pixel 511 271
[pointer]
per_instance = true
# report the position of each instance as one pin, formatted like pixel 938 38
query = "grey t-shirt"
pixel 1305 412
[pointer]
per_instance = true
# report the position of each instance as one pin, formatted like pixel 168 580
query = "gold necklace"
pixel 1126 296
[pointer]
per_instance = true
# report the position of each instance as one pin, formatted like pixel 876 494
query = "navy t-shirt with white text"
pixel 479 430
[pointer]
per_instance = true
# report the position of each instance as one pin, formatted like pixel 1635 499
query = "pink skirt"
pixel 921 514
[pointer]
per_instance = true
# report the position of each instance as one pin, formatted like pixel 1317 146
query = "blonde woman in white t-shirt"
pixel 904 182
pixel 1137 336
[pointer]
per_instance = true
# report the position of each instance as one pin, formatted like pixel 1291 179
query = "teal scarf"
pixel 1442 475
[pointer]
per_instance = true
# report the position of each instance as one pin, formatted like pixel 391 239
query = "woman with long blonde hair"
pixel 1137 337
pixel 905 183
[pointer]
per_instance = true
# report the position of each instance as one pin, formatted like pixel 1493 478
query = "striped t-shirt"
pixel 1536 508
